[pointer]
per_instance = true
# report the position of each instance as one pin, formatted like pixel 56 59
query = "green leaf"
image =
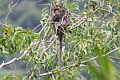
pixel 16 77
pixel 2 29
pixel 9 8
pixel 116 1
pixel 1 6
pixel 109 0
pixel 45 4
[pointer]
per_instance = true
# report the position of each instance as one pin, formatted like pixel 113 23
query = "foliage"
pixel 1 6
pixel 90 47
pixel 10 77
pixel 14 39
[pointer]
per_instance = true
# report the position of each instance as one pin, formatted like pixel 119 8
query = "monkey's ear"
pixel 68 12
pixel 57 6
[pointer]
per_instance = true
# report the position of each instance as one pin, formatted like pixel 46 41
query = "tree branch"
pixel 86 18
pixel 73 65
pixel 16 59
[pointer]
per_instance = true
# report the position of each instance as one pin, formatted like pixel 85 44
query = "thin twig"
pixel 49 45
pixel 3 24
pixel 11 9
pixel 32 74
pixel 36 27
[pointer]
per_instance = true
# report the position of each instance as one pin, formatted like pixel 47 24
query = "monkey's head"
pixel 58 10
pixel 57 7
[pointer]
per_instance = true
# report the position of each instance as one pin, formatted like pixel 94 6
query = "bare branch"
pixel 36 27
pixel 17 59
pixel 3 24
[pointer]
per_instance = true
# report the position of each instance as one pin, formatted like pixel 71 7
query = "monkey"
pixel 60 21
pixel 93 4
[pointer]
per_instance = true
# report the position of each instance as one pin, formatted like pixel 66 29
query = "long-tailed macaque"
pixel 60 20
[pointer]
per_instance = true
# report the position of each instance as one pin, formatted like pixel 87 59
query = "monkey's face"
pixel 57 12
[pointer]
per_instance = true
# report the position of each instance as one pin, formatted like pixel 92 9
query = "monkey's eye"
pixel 56 9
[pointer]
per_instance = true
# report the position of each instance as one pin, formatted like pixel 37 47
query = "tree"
pixel 90 48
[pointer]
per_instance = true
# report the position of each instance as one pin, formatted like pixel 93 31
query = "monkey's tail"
pixel 60 53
